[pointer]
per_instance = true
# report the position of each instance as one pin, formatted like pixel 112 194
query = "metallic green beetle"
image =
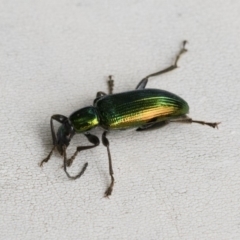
pixel 143 109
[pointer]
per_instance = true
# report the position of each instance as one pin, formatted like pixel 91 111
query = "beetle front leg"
pixel 68 162
pixel 65 166
pixel 190 120
pixel 60 119
pixel 142 84
pixel 92 139
pixel 48 157
pixel 105 142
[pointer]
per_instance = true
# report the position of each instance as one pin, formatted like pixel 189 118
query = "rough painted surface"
pixel 180 182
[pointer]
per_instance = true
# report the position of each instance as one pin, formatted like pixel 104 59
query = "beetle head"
pixel 64 134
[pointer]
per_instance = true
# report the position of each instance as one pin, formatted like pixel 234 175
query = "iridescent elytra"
pixel 143 109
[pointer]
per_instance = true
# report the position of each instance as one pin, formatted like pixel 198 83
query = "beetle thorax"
pixel 84 119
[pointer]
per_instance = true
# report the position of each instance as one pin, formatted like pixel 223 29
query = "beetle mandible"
pixel 143 109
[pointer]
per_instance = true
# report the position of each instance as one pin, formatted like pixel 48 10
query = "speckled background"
pixel 178 182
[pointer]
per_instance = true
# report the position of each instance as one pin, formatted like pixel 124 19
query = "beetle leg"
pixel 58 118
pixel 152 126
pixel 110 88
pixel 65 166
pixel 68 162
pixel 92 139
pixel 48 157
pixel 106 144
pixel 110 84
pixel 142 84
pixel 190 120
pixel 100 94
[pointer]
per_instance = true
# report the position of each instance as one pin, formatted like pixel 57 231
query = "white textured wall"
pixel 179 182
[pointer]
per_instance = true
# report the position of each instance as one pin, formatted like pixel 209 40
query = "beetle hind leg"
pixel 142 84
pixel 105 142
pixel 190 120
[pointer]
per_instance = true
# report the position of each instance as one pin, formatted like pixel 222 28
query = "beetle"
pixel 143 109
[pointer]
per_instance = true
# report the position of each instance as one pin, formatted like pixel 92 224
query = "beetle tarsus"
pixel 70 160
pixel 48 157
pixel 210 124
pixel 91 138
pixel 108 192
pixel 182 51
pixel 142 84
pixel 190 120
pixel 110 84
